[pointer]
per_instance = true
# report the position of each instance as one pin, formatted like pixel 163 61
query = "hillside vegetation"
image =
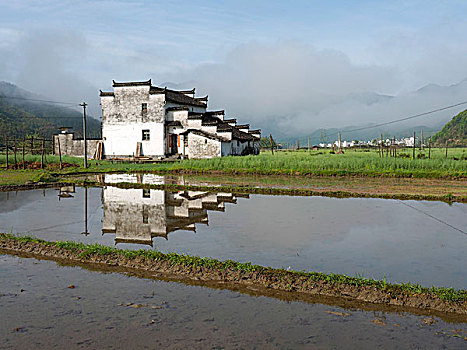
pixel 453 133
pixel 21 117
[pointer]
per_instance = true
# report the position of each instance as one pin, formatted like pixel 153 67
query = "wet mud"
pixel 276 283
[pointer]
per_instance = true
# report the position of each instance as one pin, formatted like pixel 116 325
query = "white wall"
pixel 120 140
pixel 203 147
pixel 133 196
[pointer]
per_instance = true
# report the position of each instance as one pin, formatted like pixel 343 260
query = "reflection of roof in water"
pixel 137 216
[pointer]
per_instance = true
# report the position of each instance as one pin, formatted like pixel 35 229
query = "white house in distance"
pixel 139 119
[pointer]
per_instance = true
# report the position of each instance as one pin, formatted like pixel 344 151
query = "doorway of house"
pixel 173 143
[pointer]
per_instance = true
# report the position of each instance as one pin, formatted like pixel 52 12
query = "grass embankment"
pixel 449 197
pixel 323 163
pixel 318 163
pixel 208 269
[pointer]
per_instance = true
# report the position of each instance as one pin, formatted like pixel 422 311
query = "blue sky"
pixel 65 49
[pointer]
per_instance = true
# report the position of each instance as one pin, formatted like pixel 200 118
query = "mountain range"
pixel 23 113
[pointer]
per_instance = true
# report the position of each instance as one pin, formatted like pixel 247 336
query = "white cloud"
pixel 296 89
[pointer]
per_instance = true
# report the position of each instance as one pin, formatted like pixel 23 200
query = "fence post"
pixel 446 156
pixel 6 147
pixel 272 144
pixel 42 155
pixel 24 141
pixel 14 149
pixel 59 153
pixel 45 151
pixel 429 148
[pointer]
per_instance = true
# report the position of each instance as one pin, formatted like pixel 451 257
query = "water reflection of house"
pixel 139 215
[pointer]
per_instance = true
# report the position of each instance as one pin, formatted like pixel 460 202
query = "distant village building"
pixel 139 119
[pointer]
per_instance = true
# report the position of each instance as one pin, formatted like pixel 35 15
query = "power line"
pixel 37 100
pixel 45 118
pixel 433 217
pixel 406 118
pixel 47 101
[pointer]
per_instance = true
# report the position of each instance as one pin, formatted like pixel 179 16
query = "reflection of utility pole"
pixel 85 212
pixel 84 135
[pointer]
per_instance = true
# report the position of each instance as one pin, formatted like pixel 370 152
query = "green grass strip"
pixel 87 250
pixel 274 191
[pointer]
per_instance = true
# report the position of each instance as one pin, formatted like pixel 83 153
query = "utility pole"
pixel 429 148
pixel 413 145
pixel 339 141
pixel 84 135
pixel 381 147
pixel 421 139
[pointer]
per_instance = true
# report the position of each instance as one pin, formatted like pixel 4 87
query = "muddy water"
pixel 118 311
pixel 404 241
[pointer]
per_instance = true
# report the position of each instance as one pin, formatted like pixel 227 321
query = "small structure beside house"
pixel 142 120
pixel 71 146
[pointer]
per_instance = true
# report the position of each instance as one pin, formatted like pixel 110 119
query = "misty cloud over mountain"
pixel 286 88
pixel 293 89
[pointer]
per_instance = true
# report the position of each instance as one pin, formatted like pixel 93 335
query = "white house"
pixel 139 119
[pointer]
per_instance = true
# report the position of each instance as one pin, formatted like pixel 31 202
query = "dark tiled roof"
pixel 230 120
pixel 194 115
pixel 209 122
pixel 105 93
pixel 174 123
pixel 221 112
pixel 202 99
pixel 192 91
pixel 242 136
pixel 205 134
pixel 243 126
pixel 184 108
pixel 156 90
pixel 222 126
pixel 132 83
pixel 178 97
pixel 170 95
pixel 255 133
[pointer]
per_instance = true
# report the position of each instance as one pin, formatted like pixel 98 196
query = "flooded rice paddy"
pixel 39 310
pixel 418 241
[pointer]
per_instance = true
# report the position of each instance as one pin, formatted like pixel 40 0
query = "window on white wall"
pixel 144 107
pixel 146 136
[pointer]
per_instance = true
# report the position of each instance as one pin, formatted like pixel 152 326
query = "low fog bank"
pixel 293 89
pixel 286 88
